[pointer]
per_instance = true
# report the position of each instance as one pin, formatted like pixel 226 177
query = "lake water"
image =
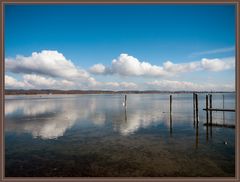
pixel 95 135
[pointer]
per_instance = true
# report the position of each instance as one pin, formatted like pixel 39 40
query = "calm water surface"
pixel 95 135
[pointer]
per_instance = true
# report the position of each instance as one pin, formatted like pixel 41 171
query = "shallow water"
pixel 95 135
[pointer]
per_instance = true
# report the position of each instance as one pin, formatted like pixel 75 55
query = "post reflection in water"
pixel 194 121
pixel 207 126
pixel 211 124
pixel 197 136
pixel 125 114
pixel 223 117
pixel 171 130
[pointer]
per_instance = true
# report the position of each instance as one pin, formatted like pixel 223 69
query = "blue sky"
pixel 131 34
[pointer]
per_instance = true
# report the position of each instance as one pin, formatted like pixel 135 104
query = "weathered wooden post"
pixel 170 103
pixel 223 111
pixel 210 96
pixel 206 101
pixel 125 101
pixel 196 108
pixel 207 109
pixel 207 117
pixel 170 115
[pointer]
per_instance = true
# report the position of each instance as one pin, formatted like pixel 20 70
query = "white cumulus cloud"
pixel 218 64
pixel 32 81
pixel 46 62
pixel 172 68
pixel 39 81
pixel 99 69
pixel 51 70
pixel 127 65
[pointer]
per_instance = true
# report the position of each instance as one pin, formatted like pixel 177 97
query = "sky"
pixel 120 47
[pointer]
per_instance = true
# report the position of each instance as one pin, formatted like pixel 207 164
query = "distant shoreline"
pixel 55 92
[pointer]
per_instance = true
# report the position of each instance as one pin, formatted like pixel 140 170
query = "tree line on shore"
pixel 51 91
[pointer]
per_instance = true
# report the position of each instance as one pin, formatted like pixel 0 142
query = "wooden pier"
pixel 210 109
pixel 215 109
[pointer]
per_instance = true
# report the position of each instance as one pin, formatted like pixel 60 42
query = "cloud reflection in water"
pixel 51 118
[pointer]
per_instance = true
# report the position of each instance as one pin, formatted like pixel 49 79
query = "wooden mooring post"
pixel 170 103
pixel 195 108
pixel 207 108
pixel 210 100
pixel 194 113
pixel 206 101
pixel 196 98
pixel 207 117
pixel 125 101
pixel 223 112
pixel 170 114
